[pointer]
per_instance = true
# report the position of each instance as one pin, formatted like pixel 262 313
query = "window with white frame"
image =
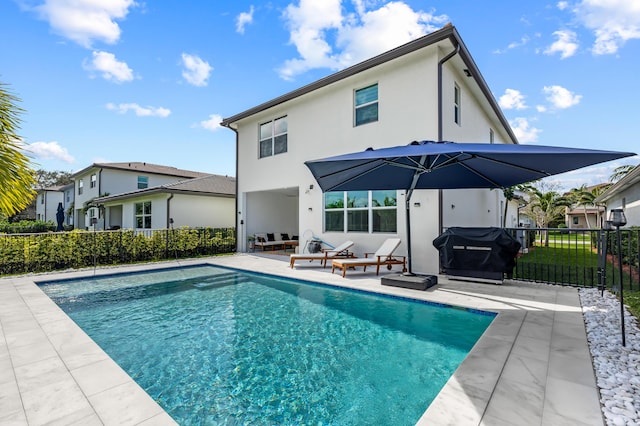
pixel 456 104
pixel 273 137
pixel 94 180
pixel 366 105
pixel 143 215
pixel 360 211
pixel 80 187
pixel 143 182
pixel 42 199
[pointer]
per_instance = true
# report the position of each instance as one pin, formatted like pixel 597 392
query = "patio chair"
pixel 383 256
pixel 323 256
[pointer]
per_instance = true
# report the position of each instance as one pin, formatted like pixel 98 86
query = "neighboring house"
pixel 68 203
pixel 102 179
pixel 624 194
pixel 207 201
pixel 47 200
pixel 584 217
pixel 427 89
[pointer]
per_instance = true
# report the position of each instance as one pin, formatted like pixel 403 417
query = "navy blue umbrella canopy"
pixel 449 165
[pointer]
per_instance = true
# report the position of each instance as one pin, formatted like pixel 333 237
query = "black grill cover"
pixel 477 249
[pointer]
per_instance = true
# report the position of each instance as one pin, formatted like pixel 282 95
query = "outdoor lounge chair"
pixel 340 251
pixel 383 256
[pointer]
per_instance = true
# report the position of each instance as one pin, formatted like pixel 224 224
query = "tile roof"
pixel 219 185
pixel 144 167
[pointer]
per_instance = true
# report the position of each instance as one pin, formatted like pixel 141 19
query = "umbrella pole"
pixel 408 218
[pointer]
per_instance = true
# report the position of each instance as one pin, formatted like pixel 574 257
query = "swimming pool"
pixel 214 345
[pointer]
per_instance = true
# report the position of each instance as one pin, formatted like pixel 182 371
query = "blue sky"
pixel 124 80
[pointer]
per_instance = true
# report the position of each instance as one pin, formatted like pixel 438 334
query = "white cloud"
pixel 613 22
pixel 512 99
pixel 110 68
pixel 196 71
pixel 84 21
pixel 562 5
pixel 513 45
pixel 561 98
pixel 524 131
pixel 212 123
pixel 139 111
pixel 565 44
pixel 243 20
pixel 326 38
pixel 50 151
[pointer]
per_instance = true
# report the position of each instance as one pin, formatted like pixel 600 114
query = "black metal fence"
pixel 578 257
pixel 24 253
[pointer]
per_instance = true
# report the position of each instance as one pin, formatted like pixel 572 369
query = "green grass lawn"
pixel 575 264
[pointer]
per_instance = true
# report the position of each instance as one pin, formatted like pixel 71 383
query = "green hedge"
pixel 23 253
pixel 26 227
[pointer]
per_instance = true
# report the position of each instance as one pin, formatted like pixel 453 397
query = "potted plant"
pixel 251 239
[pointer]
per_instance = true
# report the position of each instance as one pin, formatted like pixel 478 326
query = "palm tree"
pixel 546 208
pixel 620 172
pixel 16 175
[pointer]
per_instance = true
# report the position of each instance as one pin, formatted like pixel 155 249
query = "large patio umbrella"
pixel 449 165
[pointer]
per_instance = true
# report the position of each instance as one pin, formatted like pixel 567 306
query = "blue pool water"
pixel 219 346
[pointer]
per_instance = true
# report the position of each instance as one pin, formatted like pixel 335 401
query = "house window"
pixel 456 104
pixel 576 220
pixel 42 199
pixel 68 194
pixel 360 211
pixel 143 182
pixel 94 179
pixel 143 215
pixel 273 137
pixel 80 186
pixel 366 105
pixel 624 202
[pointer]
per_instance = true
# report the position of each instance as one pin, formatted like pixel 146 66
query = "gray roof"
pixel 447 33
pixel 143 167
pixel 209 185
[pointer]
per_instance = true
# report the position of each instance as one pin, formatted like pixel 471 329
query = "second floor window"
pixel 42 199
pixel 143 182
pixel 273 137
pixel 80 186
pixel 366 105
pixel 94 180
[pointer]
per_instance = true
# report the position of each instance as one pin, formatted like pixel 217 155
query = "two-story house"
pixel 102 179
pixel 625 195
pixel 47 200
pixel 427 89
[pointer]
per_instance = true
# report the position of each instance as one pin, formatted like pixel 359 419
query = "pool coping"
pixel 531 366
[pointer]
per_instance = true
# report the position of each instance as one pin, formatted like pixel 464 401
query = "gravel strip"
pixel 617 367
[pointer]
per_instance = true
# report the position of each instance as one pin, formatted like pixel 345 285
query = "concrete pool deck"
pixel 531 367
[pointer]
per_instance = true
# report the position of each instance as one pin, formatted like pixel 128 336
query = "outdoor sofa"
pixel 267 241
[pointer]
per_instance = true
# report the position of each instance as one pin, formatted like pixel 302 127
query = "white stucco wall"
pixel 185 210
pixel 320 124
pixel 631 198
pixel 47 210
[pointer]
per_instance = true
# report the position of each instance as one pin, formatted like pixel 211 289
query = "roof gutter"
pixel 169 211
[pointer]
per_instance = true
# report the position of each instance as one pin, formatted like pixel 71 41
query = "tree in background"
pixel 585 196
pixel 16 175
pixel 620 172
pixel 546 207
pixel 47 179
